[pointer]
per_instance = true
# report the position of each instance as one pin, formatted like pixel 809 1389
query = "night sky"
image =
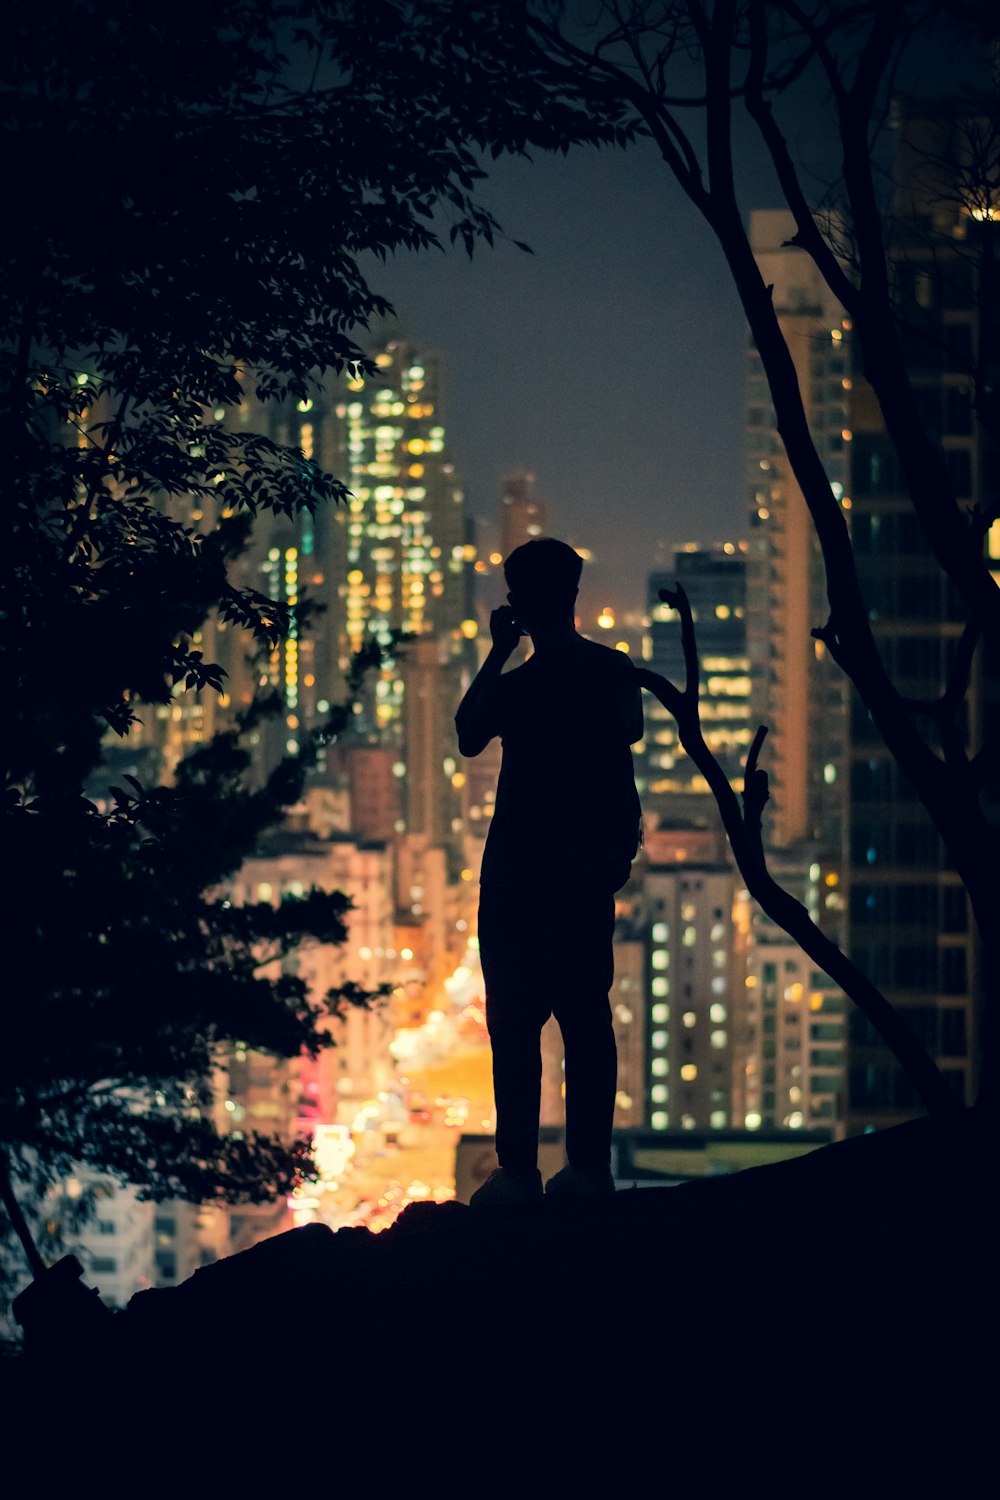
pixel 608 363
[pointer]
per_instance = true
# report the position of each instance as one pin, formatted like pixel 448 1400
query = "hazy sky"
pixel 608 363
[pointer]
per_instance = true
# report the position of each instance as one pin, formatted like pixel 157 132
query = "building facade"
pixel 797 691
pixel 911 926
pixel 715 581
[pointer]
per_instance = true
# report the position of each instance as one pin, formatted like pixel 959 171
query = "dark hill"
pixel 817 1326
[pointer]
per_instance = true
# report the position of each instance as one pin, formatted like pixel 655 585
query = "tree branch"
pixel 808 236
pixel 744 830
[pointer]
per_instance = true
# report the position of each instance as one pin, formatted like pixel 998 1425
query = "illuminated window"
pixel 717 1013
pixel 661 958
pixel 659 1119
pixel 661 986
pixel 718 1039
pixel 659 1067
pixel 661 932
pixel 659 1040
pixel 689 1072
pixel 661 1013
pixel 659 1093
pixel 689 1018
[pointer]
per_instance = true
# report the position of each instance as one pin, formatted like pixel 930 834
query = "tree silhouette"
pixel 190 196
pixel 689 75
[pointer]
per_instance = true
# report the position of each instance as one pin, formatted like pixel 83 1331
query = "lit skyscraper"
pixel 695 958
pixel 790 1063
pixel 797 690
pixel 523 515
pixel 394 556
pixel 407 533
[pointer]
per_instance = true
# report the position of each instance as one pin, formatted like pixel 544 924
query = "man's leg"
pixel 583 1011
pixel 514 1018
pixel 517 1081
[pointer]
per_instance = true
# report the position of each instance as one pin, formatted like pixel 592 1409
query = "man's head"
pixel 543 578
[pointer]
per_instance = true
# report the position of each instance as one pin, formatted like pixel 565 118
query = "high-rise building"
pixel 694 974
pixel 790 1037
pixel 407 530
pixel 714 579
pixel 911 928
pixel 629 1011
pixel 395 556
pixel 784 1076
pixel 522 516
pixel 797 691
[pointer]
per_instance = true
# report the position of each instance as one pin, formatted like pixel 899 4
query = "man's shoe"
pixel 506 1188
pixel 573 1182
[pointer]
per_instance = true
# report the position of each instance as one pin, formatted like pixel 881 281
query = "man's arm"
pixel 633 710
pixel 476 719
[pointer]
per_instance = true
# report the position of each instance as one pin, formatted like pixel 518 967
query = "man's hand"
pixel 505 630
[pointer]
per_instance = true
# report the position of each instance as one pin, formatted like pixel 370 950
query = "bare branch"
pixel 808 236
pixel 672 140
pixel 817 37
pixel 745 838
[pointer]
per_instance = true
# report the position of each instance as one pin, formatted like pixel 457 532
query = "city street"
pixel 394 1166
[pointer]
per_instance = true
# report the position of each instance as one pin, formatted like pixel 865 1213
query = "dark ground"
pixel 821 1326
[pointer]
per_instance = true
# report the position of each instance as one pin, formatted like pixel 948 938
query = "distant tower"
pixel 523 514
pixel 407 524
pixel 797 690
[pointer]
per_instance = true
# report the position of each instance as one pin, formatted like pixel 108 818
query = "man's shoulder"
pixel 605 658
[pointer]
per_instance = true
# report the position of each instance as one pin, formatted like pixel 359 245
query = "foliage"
pixel 191 195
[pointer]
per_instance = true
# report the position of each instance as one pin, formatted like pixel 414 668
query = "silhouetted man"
pixel 564 831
